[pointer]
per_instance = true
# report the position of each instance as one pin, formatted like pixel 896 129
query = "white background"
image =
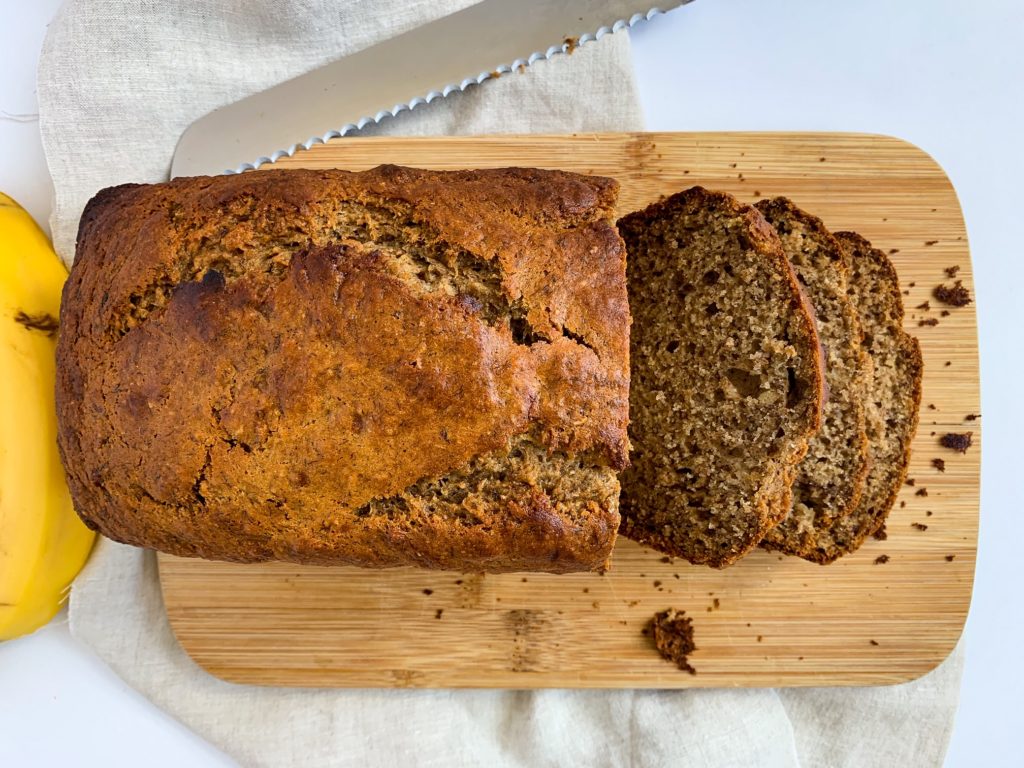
pixel 946 76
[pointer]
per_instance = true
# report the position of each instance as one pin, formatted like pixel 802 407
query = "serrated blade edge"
pixel 206 146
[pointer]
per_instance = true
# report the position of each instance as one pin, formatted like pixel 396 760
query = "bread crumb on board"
pixel 939 464
pixel 955 295
pixel 956 441
pixel 881 560
pixel 672 631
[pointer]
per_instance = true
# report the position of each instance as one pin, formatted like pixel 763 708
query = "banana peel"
pixel 43 544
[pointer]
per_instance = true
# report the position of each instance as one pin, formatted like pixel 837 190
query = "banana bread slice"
pixel 831 477
pixel 893 403
pixel 726 377
pixel 394 367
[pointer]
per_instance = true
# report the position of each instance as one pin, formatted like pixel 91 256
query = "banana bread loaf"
pixel 727 379
pixel 380 368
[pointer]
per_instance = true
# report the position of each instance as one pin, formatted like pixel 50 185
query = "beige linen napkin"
pixel 118 82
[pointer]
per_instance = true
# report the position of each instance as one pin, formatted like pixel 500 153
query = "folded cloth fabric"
pixel 118 83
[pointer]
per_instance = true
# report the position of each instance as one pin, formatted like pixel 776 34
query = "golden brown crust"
pixel 247 362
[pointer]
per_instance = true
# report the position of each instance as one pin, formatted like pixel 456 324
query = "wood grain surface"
pixel 767 621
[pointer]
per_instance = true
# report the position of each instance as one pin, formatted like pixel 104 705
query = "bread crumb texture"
pixel 892 405
pixel 830 479
pixel 727 380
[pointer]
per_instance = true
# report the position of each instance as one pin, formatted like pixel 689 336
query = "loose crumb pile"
pixel 955 295
pixel 672 631
pixel 957 441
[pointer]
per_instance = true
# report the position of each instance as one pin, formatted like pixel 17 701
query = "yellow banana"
pixel 43 544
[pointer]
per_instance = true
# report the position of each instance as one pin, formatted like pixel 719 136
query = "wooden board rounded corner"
pixel 767 621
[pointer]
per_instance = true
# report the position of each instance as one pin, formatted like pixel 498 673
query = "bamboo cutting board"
pixel 767 621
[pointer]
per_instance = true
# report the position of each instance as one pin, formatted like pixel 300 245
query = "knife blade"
pixel 489 38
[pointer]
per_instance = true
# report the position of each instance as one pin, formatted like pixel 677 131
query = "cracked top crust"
pixel 381 368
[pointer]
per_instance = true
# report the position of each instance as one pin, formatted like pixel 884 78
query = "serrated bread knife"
pixel 488 38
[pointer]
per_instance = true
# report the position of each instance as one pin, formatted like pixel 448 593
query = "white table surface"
pixel 946 76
